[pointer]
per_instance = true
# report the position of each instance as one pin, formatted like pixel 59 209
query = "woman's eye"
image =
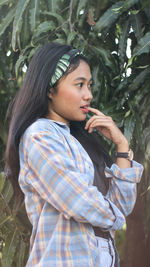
pixel 79 84
pixel 90 85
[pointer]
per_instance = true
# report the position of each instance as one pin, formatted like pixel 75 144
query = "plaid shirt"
pixel 56 176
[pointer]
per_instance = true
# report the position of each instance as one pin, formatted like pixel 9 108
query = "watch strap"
pixel 127 155
pixel 122 154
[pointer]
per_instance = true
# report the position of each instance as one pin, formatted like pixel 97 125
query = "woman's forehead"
pixel 81 72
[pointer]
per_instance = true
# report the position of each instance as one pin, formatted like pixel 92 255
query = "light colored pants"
pixel 107 252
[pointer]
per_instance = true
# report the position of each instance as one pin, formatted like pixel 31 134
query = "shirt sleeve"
pixel 123 186
pixel 53 174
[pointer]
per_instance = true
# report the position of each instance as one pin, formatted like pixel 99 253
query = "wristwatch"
pixel 127 155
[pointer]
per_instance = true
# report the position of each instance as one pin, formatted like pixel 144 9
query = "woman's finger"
pixel 94 117
pixel 95 111
pixel 100 119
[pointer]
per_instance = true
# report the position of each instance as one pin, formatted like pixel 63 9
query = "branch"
pixel 70 15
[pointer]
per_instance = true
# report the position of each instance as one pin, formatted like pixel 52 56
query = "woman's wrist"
pixel 123 147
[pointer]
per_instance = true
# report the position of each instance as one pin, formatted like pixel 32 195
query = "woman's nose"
pixel 87 94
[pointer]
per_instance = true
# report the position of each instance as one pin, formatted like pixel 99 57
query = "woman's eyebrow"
pixel 83 79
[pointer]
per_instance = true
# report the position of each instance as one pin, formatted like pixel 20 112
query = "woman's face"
pixel 73 97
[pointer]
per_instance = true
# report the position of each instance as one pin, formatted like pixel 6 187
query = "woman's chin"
pixel 81 118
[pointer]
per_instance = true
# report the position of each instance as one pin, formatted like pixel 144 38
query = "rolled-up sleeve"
pixel 54 176
pixel 123 186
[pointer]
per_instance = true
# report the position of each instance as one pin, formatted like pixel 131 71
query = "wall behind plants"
pixel 104 30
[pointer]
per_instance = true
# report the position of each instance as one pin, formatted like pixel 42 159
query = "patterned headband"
pixel 63 64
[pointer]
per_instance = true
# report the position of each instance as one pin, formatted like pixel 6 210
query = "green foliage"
pixel 6 21
pixel 14 228
pixel 109 17
pixel 17 23
pixel 102 30
pixel 143 45
pixel 120 242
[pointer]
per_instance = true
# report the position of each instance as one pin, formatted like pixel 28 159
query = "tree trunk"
pixel 148 247
pixel 136 251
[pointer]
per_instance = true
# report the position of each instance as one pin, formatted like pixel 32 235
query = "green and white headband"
pixel 63 64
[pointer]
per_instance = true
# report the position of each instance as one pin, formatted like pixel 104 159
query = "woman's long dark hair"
pixel 31 103
pixel 99 156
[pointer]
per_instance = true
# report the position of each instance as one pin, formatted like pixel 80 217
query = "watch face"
pixel 130 154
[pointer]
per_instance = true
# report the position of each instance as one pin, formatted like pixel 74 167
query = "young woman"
pixel 73 219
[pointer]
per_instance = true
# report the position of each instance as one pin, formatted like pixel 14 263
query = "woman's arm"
pixel 122 189
pixel 107 127
pixel 123 186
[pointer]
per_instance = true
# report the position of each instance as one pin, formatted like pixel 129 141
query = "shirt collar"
pixel 62 124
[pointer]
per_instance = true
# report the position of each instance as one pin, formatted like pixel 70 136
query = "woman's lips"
pixel 85 109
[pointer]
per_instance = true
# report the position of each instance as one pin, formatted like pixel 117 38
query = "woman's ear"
pixel 50 93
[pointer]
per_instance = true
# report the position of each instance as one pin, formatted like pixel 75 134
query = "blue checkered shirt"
pixel 56 176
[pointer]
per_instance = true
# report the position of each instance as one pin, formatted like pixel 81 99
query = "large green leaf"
pixel 146 8
pixel 9 249
pixel 106 55
pixel 129 3
pixel 123 41
pixel 34 10
pixel 138 132
pixel 108 17
pixel 54 15
pixel 43 28
pixel 139 79
pixel 19 63
pixel 3 2
pixel 71 37
pixel 143 45
pixel 112 14
pixel 53 5
pixel 129 127
pixel 6 21
pixel 20 8
pixel 136 22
